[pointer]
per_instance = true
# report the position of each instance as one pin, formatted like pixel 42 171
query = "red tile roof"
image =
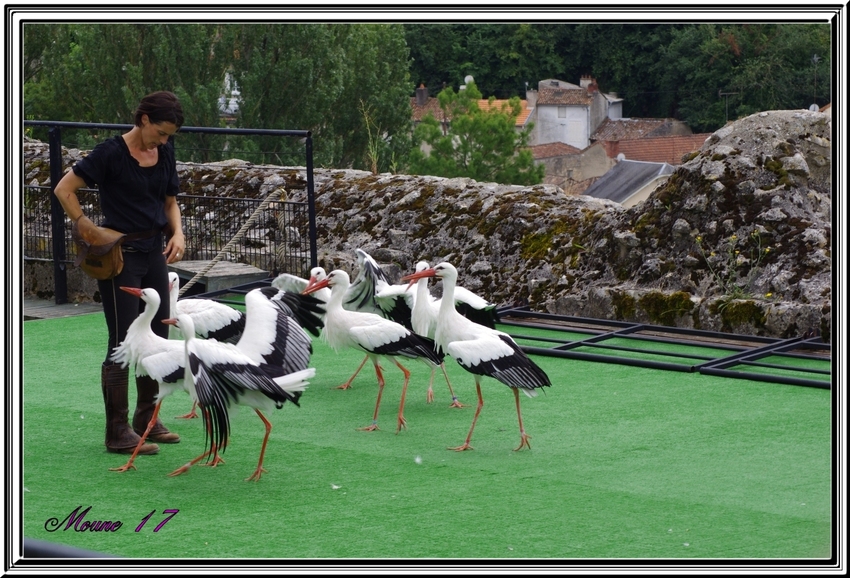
pixel 563 96
pixel 628 128
pixel 432 106
pixel 663 149
pixel 554 149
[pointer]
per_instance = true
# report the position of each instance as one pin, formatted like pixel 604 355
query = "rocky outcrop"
pixel 738 239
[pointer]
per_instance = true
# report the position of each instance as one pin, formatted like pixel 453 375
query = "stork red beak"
pixel 132 291
pixel 413 277
pixel 170 321
pixel 313 285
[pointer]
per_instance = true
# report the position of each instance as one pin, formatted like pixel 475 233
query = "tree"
pixel 98 72
pixel 315 77
pixel 480 144
pixel 298 77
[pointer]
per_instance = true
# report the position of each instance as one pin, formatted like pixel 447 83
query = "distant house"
pixel 630 182
pixel 422 105
pixel 579 132
pixel 569 113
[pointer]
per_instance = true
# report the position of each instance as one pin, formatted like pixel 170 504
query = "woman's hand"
pixel 175 249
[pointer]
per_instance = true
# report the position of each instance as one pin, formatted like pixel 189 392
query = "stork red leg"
pixel 192 414
pixel 455 402
pixel 213 450
pixel 466 445
pixel 185 468
pixel 380 375
pixel 260 469
pixel 151 423
pixel 429 397
pixel 347 384
pixel 523 436
pixel 402 423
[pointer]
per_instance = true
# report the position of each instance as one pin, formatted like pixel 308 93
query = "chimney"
pixel 531 98
pixel 421 95
pixel 592 87
pixel 585 80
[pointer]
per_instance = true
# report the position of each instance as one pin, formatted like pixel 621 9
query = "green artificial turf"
pixel 625 463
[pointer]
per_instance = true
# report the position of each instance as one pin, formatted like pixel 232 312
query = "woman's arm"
pixel 176 246
pixel 66 192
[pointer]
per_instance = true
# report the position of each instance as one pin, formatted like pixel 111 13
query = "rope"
pixel 274 195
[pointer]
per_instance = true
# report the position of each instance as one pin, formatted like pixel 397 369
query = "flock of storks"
pixel 260 358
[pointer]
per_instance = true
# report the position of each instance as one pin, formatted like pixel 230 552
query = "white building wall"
pixel 571 129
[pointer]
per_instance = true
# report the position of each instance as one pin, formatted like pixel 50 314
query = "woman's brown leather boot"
pixel 120 437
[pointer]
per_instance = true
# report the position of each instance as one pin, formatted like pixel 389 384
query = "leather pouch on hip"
pixel 99 252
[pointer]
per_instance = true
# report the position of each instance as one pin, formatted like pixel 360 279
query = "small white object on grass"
pixel 418 459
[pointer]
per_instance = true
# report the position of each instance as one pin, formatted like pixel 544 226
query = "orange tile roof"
pixel 525 112
pixel 663 149
pixel 433 107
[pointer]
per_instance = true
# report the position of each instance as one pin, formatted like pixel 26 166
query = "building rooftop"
pixel 625 179
pixel 663 149
pixel 630 128
pixel 554 149
pixel 432 106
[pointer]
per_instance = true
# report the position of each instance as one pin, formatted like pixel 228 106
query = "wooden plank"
pixel 35 308
pixel 223 275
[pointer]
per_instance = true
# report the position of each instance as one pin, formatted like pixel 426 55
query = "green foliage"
pixel 660 70
pixel 98 72
pixel 735 264
pixel 480 144
pixel 321 77
pixel 291 76
pixel 315 76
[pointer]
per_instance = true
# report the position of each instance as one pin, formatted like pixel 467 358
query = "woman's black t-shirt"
pixel 132 197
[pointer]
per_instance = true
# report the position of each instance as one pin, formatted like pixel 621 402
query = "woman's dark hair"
pixel 162 106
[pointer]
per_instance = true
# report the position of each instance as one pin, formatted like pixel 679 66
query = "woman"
pixel 136 176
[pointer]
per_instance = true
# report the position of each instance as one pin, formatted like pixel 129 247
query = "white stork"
pixel 140 343
pixel 212 319
pixel 291 282
pixel 295 284
pixel 376 336
pixel 481 350
pixel 373 292
pixel 275 339
pixel 220 374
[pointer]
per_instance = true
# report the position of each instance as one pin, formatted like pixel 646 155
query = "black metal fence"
pixel 277 242
pixel 282 238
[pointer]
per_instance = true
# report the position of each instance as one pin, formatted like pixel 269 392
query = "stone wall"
pixel 738 240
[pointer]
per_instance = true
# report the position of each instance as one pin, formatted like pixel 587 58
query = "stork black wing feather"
pixel 307 310
pixel 231 332
pixel 488 317
pixel 516 370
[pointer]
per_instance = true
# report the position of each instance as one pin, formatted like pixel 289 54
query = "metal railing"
pixel 276 243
